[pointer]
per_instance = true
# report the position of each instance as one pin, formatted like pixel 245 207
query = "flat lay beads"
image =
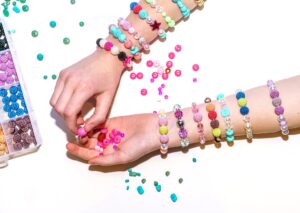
pixel 169 21
pixel 279 110
pixel 163 131
pixel 183 134
pixel 143 14
pixel 212 115
pixel 185 11
pixel 197 117
pixel 3 146
pixel 244 110
pixel 114 138
pixel 225 113
pixel 8 73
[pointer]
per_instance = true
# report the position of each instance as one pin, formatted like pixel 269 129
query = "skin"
pixel 98 75
pixel 142 131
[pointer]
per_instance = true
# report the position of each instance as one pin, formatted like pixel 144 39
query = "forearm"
pixel 262 115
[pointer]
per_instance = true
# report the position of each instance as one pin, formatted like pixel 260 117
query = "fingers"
pixel 57 91
pixel 115 158
pixel 103 104
pixel 81 152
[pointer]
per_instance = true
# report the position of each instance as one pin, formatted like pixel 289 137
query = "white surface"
pixel 238 44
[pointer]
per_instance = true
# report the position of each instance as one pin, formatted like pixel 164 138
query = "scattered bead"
pixel 52 24
pixel 180 180
pixel 127 181
pixel 194 160
pixel 171 55
pixel 140 190
pixel 66 41
pixel 34 33
pixel 143 181
pixel 196 67
pixel 133 76
pixel 81 24
pixel 178 73
pixel 54 76
pixel 178 48
pixel 195 80
pixel 173 197
pixel 139 75
pixel 144 92
pixel 167 173
pixel 149 63
pixel 73 1
pixel 40 57
pixel 45 77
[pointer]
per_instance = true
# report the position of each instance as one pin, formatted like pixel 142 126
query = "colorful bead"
pixel 185 11
pixel 163 130
pixel 197 117
pixel 279 110
pixel 183 134
pixel 212 115
pixel 81 132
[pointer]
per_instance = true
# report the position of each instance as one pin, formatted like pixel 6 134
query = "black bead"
pixel 98 42
pixel 122 56
pixel 180 123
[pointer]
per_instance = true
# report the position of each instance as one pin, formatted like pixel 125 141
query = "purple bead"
pixel 178 114
pixel 274 94
pixel 214 124
pixel 183 133
pixel 164 139
pixel 163 121
pixel 3 77
pixel 197 117
pixel 10 65
pixel 279 110
pixel 9 56
pixel 9 72
pixel 3 67
pixel 3 58
pixel 270 83
pixel 10 80
pixel 276 102
pixel 283 123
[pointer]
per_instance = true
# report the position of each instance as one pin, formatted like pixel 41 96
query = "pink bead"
pixel 3 77
pixel 149 63
pixel 3 67
pixel 171 55
pixel 166 97
pixel 144 92
pixel 10 72
pixel 114 132
pixel 128 44
pixel 195 80
pixel 108 45
pixel 154 75
pixel 164 139
pixel 9 56
pixel 139 75
pixel 169 64
pixel 283 123
pixel 106 142
pixel 196 67
pixel 131 30
pixel 163 86
pixel 197 117
pixel 3 58
pixel 177 73
pixel 178 48
pixel 81 132
pixel 165 76
pixel 121 21
pixel 151 80
pixel 117 140
pixel 132 76
pixel 10 80
pixel 115 147
pixel 104 131
pixel 163 121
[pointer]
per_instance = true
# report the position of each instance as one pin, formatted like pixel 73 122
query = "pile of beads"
pixel 13 102
pixel 279 110
pixel 8 73
pixel 183 134
pixel 244 110
pixel 114 138
pixel 198 118
pixel 169 21
pixel 212 115
pixel 126 25
pixel 3 146
pixel 185 11
pixel 225 112
pixel 143 14
pixel 163 130
pixel 15 7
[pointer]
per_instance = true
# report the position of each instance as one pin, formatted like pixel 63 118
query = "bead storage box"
pixel 19 134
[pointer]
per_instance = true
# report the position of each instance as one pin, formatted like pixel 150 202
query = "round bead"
pixel 132 5
pixel 108 45
pixel 163 130
pixel 164 139
pixel 115 50
pixel 276 102
pixel 240 95
pixel 230 138
pixel 149 63
pixel 210 107
pixel 52 24
pixel 66 40
pixel 197 117
pixel 183 133
pixel 180 123
pixel 40 57
pixel 214 124
pixel 212 115
pixel 163 121
pixel 128 44
pixel 165 76
pixel 217 132
pixel 274 94
pixel 81 132
pixel 196 67
pixel 279 110
pixel 143 14
pixel 137 8
pixel 144 92
pixel 177 73
pixel 169 64
pixel 154 75
pixel 244 110
pixel 171 55
pixel 229 132
pixel 242 102
pixel 139 75
pixel 225 112
pixel 178 48
pixel 122 56
pixel 178 114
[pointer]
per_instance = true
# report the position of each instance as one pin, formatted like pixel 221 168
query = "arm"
pixel 142 131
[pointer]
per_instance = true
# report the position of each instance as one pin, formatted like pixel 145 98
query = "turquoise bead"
pixel 143 14
pixel 225 112
pixel 220 96
pixel 174 197
pixel 140 190
pixel 229 132
pixel 230 139
pixel 122 38
pixel 134 50
pixel 158 188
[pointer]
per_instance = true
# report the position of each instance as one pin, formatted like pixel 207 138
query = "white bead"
pixel 102 43
pixel 184 142
pixel 131 30
pixel 115 50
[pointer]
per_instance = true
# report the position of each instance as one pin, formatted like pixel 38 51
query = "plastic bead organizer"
pixel 19 134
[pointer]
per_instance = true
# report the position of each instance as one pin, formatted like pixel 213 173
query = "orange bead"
pixel 210 107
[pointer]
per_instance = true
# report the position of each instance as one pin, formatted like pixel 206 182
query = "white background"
pixel 238 44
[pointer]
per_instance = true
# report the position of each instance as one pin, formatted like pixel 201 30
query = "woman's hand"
pixel 140 139
pixel 96 76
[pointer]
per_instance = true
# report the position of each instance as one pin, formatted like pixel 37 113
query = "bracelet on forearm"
pixel 212 115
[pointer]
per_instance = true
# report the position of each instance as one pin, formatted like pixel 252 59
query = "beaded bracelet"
pixel 143 14
pixel 185 11
pixel 279 110
pixel 169 21
pixel 244 110
pixel 126 25
pixel 212 115
pixel 198 118
pixel 225 112
pixel 117 33
pixel 183 134
pixel 163 131
pixel 114 50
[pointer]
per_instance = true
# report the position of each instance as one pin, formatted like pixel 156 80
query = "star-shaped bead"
pixel 155 25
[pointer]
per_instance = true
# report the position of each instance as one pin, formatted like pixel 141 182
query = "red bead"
pixel 212 115
pixel 137 8
pixel 101 137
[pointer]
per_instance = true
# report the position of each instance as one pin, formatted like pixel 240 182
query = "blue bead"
pixel 140 190
pixel 5 100
pixel 230 138
pixel 20 96
pixel 244 110
pixel 6 108
pixel 13 98
pixel 225 112
pixel 15 106
pixel 23 103
pixel 11 114
pixel 173 197
pixel 143 14
pixel 122 38
pixel 16 9
pixel 3 92
pixel 20 112
pixel 134 50
pixel 220 96
pixel 229 132
pixel 132 5
pixel 240 95
pixel 25 111
pixel 13 90
pixel 158 188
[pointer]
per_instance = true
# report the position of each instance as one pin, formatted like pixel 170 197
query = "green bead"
pixel 168 19
pixel 163 130
pixel 52 24
pixel 66 41
pixel 172 23
pixel 22 1
pixel 34 33
pixel 25 8
pixel 45 77
pixel 242 102
pixel 127 181
pixel 40 57
pixel 155 183
pixel 217 132
pixel 149 1
pixel 167 173
pixel 5 13
pixel 81 24
pixel 143 181
pixel 164 14
pixel 73 1
pixel 194 160
pixel 180 180
pixel 14 3
pixel 54 76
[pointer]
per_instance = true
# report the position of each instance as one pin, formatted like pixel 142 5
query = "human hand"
pixel 96 76
pixel 140 139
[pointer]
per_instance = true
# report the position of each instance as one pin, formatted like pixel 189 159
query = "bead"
pixel 240 95
pixel 279 110
pixel 230 138
pixel 140 190
pixel 225 112
pixel 66 40
pixel 154 75
pixel 177 73
pixel 108 45
pixel 115 50
pixel 164 139
pixel 169 64
pixel 180 123
pixel 132 5
pixel 143 14
pixel 178 114
pixel 163 130
pixel 52 24
pixel 178 48
pixel 197 117
pixel 128 44
pixel 274 94
pixel 214 124
pixel 139 75
pixel 122 56
pixel 196 67
pixel 242 102
pixel 163 121
pixel 144 92
pixel 137 8
pixel 229 132
pixel 171 55
pixel 210 107
pixel 40 57
pixel 176 107
pixel 165 76
pixel 184 142
pixel 183 133
pixel 173 197
pixel 276 102
pixel 212 115
pixel 217 132
pixel 244 110
pixel 149 63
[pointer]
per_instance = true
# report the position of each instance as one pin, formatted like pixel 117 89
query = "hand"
pixel 96 76
pixel 140 139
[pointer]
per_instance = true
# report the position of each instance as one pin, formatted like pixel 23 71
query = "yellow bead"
pixel 210 107
pixel 217 132
pixel 163 130
pixel 242 102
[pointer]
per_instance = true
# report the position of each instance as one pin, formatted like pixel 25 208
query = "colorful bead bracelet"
pixel 183 134
pixel 197 117
pixel 169 21
pixel 212 115
pixel 117 33
pixel 163 131
pixel 185 11
pixel 114 50
pixel 225 112
pixel 143 14
pixel 244 110
pixel 279 110
pixel 126 25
